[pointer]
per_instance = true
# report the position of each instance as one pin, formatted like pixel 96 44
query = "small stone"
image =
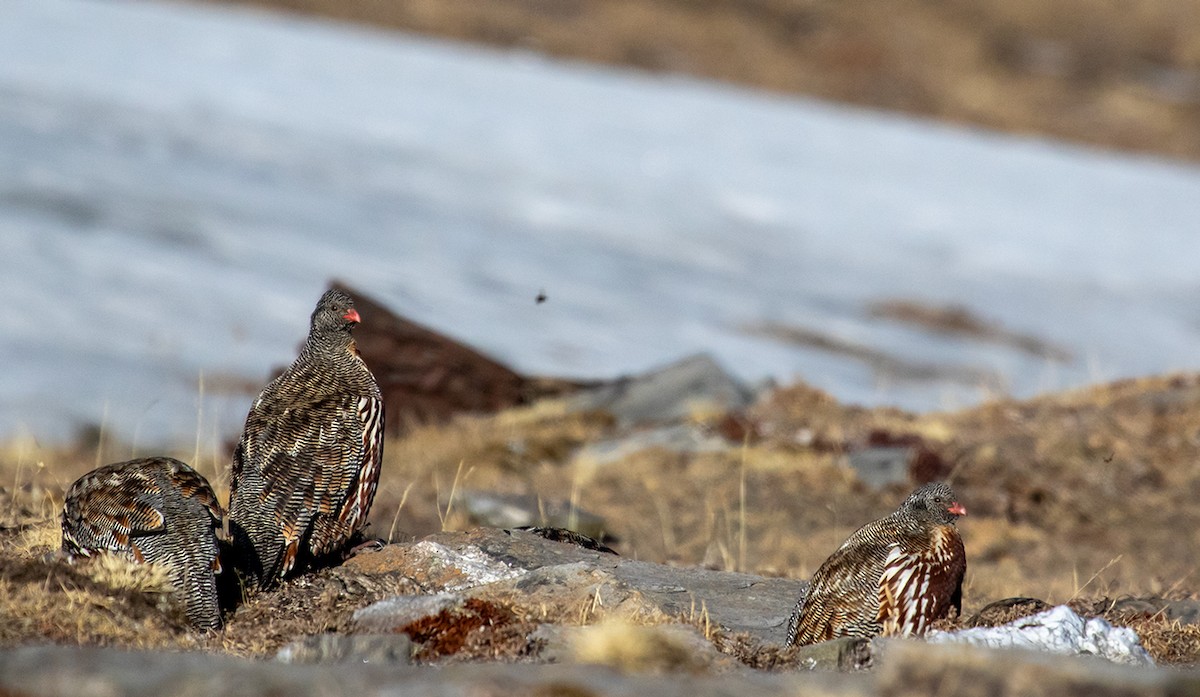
pixel 677 438
pixel 397 612
pixel 880 466
pixel 376 649
pixel 843 654
pixel 668 394
pixel 1183 611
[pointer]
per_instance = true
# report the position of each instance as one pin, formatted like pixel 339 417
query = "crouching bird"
pixel 306 467
pixel 153 510
pixel 892 577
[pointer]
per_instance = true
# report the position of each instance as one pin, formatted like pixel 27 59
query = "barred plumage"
pixel 893 577
pixel 153 510
pixel 306 468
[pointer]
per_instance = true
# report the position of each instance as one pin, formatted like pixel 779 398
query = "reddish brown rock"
pixel 427 377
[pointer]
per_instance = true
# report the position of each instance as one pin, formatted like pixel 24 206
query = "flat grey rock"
pixel 555 572
pixel 678 438
pixel 667 394
pixel 373 649
pixel 880 466
pixel 517 510
pixel 399 611
pixel 844 654
pixel 1184 611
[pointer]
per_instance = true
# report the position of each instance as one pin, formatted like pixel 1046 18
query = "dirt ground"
pixel 1085 497
pixel 1115 73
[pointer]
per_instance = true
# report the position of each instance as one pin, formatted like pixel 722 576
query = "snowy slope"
pixel 177 185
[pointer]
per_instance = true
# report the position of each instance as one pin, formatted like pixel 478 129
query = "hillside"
pixel 1122 75
pixel 1084 497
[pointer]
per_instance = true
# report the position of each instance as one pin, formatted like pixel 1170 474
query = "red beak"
pixel 352 315
pixel 957 508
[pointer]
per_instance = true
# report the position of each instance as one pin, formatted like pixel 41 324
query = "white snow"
pixel 1057 630
pixel 476 566
pixel 179 183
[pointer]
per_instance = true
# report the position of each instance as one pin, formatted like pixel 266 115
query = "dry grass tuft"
pixel 636 648
pixel 38 538
pixel 51 601
pixel 1170 643
pixel 119 573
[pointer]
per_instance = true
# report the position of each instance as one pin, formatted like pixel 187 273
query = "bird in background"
pixel 155 510
pixel 892 577
pixel 307 465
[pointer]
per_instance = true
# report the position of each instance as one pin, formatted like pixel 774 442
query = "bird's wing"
pixel 107 508
pixel 306 457
pixel 840 598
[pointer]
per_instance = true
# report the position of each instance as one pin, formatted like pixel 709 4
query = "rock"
pixel 886 458
pixel 427 377
pixel 915 668
pixel 434 566
pixel 527 570
pixel 53 671
pixel 845 654
pixel 1183 611
pixel 378 649
pixel 668 394
pixel 879 467
pixel 393 613
pixel 1057 630
pixel 908 669
pixel 519 510
pixel 678 438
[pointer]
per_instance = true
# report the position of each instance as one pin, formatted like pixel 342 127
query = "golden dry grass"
pixel 635 647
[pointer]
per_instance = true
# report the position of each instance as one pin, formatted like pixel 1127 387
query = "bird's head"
pixel 335 313
pixel 934 503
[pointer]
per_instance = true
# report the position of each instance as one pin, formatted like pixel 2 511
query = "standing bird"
pixel 305 470
pixel 894 576
pixel 155 510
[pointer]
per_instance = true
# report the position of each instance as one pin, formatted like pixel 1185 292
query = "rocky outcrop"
pixel 521 568
pixel 510 612
pixel 427 377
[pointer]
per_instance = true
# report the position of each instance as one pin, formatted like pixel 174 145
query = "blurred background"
pixel 908 203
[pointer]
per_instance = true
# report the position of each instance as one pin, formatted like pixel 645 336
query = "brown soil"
pixel 1116 73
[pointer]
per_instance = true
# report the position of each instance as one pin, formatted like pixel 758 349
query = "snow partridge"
pixel 154 510
pixel 892 577
pixel 306 468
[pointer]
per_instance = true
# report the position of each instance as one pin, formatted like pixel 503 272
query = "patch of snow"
pixel 1057 630
pixel 477 567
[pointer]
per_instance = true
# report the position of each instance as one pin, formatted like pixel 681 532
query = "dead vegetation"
pixel 1120 74
pixel 1074 497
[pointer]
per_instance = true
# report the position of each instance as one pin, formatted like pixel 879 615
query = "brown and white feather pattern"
pixel 894 576
pixel 307 466
pixel 153 510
